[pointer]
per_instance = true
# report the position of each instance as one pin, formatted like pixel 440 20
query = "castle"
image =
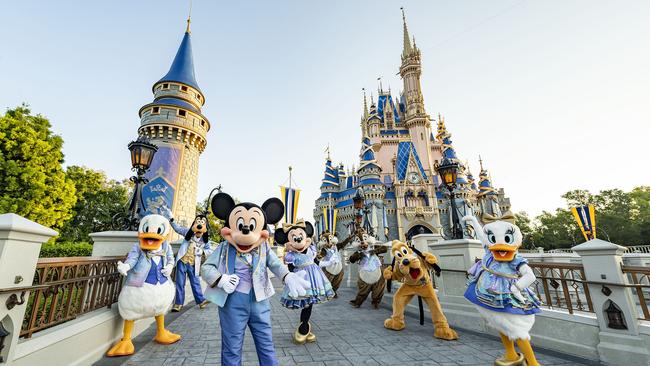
pixel 396 176
pixel 174 123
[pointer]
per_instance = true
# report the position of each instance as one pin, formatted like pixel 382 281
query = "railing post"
pixel 620 344
pixel 113 243
pixel 455 257
pixel 20 244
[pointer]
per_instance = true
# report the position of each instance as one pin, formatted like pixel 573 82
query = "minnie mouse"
pixel 301 259
pixel 238 279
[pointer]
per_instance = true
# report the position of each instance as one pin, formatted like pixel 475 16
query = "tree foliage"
pixel 98 201
pixel 621 217
pixel 33 183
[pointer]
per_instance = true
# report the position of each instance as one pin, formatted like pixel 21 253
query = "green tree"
pixel 33 183
pixel 525 224
pixel 98 201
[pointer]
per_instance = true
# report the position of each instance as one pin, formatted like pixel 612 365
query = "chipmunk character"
pixel 370 276
pixel 412 268
pixel 300 257
pixel 195 246
pixel 330 259
pixel 147 290
pixel 238 280
pixel 498 287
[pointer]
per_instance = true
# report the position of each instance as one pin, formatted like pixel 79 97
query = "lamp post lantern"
pixel 448 171
pixel 142 153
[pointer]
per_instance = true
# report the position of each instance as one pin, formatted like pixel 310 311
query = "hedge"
pixel 66 249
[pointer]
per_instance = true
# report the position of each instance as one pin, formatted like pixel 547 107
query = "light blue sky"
pixel 553 94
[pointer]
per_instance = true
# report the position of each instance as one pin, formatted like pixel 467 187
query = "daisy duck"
pixel 301 258
pixel 498 287
pixel 238 279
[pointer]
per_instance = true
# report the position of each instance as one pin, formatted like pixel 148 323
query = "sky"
pixel 552 94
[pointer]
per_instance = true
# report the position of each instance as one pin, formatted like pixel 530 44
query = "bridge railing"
pixel 562 286
pixel 639 280
pixel 65 288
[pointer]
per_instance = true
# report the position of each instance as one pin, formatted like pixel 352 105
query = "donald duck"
pixel 498 287
pixel 148 290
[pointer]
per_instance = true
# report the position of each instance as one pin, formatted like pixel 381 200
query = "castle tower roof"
pixel 182 68
pixel 445 137
pixel 331 178
pixel 485 182
pixel 408 49
pixel 367 156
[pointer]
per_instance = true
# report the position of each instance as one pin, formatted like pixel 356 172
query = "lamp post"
pixel 142 153
pixel 448 171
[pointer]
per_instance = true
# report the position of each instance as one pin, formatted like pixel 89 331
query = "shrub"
pixel 66 249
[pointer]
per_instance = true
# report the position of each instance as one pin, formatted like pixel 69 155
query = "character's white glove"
pixel 123 268
pixel 296 284
pixel 228 282
pixel 517 293
pixel 325 263
pixel 167 271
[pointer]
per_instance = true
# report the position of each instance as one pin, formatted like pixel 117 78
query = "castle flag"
pixel 290 197
pixel 586 218
pixel 329 216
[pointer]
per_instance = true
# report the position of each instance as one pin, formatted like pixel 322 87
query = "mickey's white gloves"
pixel 228 282
pixel 123 268
pixel 517 293
pixel 296 284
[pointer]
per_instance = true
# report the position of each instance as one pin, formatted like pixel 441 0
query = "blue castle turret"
pixel 174 122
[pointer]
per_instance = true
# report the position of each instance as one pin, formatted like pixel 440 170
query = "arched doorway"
pixel 417 230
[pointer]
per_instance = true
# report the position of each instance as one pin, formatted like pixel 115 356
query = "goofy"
pixel 196 245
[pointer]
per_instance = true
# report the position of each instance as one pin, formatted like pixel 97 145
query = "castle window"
pixel 183 88
pixel 198 96
pixel 165 86
pixel 421 135
pixel 155 110
pixel 202 123
pixel 182 113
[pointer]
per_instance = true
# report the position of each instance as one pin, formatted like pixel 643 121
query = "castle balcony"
pixel 425 212
pixel 172 119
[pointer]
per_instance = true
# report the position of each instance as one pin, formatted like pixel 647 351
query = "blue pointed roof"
pixel 485 184
pixel 367 155
pixel 182 69
pixel 382 102
pixel 331 178
pixel 404 151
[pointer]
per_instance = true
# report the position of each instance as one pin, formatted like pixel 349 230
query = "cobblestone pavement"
pixel 346 336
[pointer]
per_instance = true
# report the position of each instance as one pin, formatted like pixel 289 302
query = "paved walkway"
pixel 346 336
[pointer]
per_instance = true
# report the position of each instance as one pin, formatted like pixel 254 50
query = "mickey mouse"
pixel 238 280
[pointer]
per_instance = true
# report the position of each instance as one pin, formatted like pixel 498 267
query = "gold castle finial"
pixel 480 161
pixel 327 150
pixel 189 19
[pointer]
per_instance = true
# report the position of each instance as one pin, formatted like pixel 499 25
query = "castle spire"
pixel 407 40
pixel 182 68
pixel 365 105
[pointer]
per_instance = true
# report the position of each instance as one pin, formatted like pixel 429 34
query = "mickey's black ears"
pixel 221 205
pixel 273 209
pixel 309 229
pixel 280 237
